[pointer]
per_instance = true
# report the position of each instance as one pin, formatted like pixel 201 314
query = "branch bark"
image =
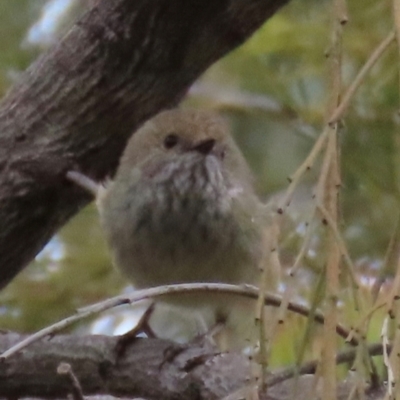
pixel 75 107
pixel 148 368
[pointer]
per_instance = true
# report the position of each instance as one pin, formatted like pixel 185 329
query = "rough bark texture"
pixel 75 107
pixel 148 368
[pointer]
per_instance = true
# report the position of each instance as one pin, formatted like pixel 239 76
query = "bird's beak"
pixel 204 147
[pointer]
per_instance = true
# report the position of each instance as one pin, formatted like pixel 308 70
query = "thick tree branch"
pixel 75 107
pixel 148 368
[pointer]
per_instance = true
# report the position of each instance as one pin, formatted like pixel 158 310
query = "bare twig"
pixel 386 358
pixel 342 246
pixel 305 166
pixel 328 196
pixel 335 117
pixel 358 80
pixel 375 349
pixel 396 17
pixel 84 182
pixel 391 259
pixel 66 369
pixel 341 12
pixel 243 290
pixel 290 287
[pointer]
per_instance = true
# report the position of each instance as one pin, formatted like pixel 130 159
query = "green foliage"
pixel 15 17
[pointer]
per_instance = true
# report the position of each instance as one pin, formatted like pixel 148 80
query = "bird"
pixel 182 208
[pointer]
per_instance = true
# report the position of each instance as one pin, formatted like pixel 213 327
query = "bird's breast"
pixel 186 224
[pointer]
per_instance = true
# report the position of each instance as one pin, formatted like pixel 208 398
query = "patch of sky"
pixel 45 31
pixel 54 250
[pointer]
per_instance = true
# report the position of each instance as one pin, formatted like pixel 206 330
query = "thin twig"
pixel 290 285
pixel 391 259
pixel 152 293
pixel 386 358
pixel 66 369
pixel 305 166
pixel 396 17
pixel 364 320
pixel 375 349
pixel 84 182
pixel 336 115
pixel 328 196
pixel 341 12
pixel 394 292
pixel 342 246
pixel 358 80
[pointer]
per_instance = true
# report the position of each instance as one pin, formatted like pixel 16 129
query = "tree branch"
pixel 75 107
pixel 148 368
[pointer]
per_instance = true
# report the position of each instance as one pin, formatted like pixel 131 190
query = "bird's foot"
pixel 141 327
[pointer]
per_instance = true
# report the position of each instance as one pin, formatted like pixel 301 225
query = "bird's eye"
pixel 171 140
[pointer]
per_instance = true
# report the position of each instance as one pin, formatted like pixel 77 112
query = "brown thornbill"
pixel 182 208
